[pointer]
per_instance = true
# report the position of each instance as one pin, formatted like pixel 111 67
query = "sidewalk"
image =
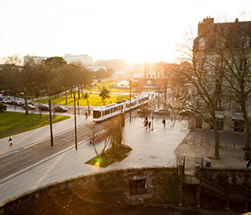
pixel 149 148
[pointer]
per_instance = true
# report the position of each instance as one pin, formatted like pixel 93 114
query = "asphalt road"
pixel 28 156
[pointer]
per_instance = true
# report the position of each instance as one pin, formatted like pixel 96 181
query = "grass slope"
pixel 12 123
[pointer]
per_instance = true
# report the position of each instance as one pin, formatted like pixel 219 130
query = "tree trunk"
pixel 66 97
pixel 26 104
pixel 247 129
pixel 217 141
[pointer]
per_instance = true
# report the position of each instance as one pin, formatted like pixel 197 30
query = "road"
pixel 28 156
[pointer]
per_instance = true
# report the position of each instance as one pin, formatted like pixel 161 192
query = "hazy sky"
pixel 134 30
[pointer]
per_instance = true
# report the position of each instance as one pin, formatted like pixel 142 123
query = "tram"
pixel 108 111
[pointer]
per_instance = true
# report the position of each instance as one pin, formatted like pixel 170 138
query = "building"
pixel 115 64
pixel 83 59
pixel 223 60
pixel 86 60
pixel 150 73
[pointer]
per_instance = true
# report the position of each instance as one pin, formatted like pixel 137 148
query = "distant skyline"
pixel 133 30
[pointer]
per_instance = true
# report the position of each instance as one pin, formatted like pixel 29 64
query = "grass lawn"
pixel 13 122
pixel 108 157
pixel 94 99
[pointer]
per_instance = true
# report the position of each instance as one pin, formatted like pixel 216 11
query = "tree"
pixel 104 94
pixel 103 73
pixel 203 73
pixel 238 60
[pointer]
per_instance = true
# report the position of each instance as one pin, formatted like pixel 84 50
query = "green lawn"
pixel 94 99
pixel 12 123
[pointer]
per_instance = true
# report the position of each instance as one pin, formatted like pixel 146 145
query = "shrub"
pixel 3 107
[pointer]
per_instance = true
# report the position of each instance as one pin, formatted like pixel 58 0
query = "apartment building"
pixel 223 56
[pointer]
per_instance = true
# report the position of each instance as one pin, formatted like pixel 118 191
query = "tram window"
pixel 106 112
pixel 96 114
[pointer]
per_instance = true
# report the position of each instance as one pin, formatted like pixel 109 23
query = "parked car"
pixel 4 101
pixel 30 107
pixel 161 112
pixel 9 102
pixel 144 111
pixel 44 107
pixel 186 112
pixel 59 108
pixel 19 103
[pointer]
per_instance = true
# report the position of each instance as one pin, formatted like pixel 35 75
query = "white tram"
pixel 108 111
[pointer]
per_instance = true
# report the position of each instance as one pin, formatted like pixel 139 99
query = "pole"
pixel 75 122
pixel 130 82
pixel 51 123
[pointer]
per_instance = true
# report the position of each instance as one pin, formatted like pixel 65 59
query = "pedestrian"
pixel 89 111
pixel 10 142
pixel 149 125
pixel 247 155
pixel 164 122
pixel 86 114
pixel 248 163
pixel 146 121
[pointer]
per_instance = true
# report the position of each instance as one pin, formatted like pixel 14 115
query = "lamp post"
pixel 130 82
pixel 75 121
pixel 51 123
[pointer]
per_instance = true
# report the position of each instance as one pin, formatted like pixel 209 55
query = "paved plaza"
pixel 149 148
pixel 158 147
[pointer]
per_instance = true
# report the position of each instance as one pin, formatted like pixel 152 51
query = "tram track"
pixel 25 157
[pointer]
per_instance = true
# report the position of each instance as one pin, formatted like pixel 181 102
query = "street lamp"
pixel 130 82
pixel 51 123
pixel 75 120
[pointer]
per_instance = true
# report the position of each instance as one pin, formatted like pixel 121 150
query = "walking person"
pixel 10 142
pixel 248 163
pixel 164 122
pixel 149 125
pixel 146 122
pixel 86 115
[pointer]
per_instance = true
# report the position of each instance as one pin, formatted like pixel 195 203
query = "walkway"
pixel 150 148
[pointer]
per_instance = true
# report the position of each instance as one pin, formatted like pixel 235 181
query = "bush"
pixel 3 107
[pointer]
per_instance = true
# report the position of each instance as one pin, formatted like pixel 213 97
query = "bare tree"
pixel 202 76
pixel 238 60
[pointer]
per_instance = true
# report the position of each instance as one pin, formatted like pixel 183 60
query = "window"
pixel 220 123
pixel 219 106
pixel 238 125
pixel 137 187
pixel 237 107
pixel 96 114
pixel 198 122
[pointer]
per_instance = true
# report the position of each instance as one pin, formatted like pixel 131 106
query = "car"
pixel 161 112
pixel 144 111
pixel 30 107
pixel 60 108
pixel 9 102
pixel 44 107
pixel 186 112
pixel 4 101
pixel 18 103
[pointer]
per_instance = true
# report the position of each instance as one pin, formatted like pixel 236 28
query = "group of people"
pixel 147 124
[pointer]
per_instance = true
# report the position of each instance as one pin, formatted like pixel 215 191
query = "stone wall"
pixel 112 190
pixel 228 176
pixel 98 193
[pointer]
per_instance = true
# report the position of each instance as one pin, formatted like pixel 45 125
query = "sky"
pixel 134 30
